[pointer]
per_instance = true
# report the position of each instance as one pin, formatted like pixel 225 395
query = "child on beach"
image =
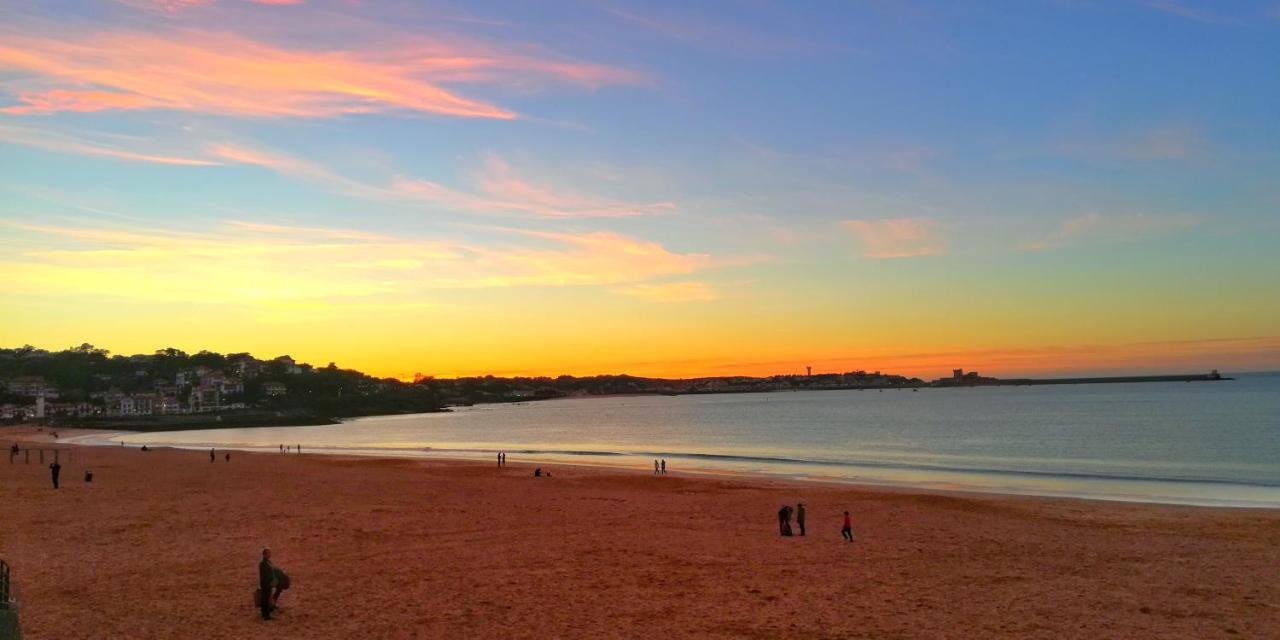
pixel 847 529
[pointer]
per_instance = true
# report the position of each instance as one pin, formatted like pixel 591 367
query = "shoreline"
pixel 396 548
pixel 638 463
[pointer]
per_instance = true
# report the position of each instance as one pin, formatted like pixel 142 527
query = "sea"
pixel 1197 443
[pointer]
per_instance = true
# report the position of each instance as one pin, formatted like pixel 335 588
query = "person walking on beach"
pixel 499 459
pixel 211 456
pixel 266 580
pixel 664 466
pixel 55 470
pixel 228 456
pixel 784 520
pixel 504 458
pixel 655 466
pixel 800 517
pixel 847 529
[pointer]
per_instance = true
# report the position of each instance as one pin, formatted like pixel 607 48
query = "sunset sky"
pixel 656 188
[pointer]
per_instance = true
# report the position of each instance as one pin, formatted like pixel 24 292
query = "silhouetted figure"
pixel 655 467
pixel 144 448
pixel 847 529
pixel 228 456
pixel 211 456
pixel 664 466
pixel 298 448
pixel 13 452
pixel 281 448
pixel 55 470
pixel 537 473
pixel 266 580
pixel 499 459
pixel 800 517
pixel 88 475
pixel 784 520
pixel 503 455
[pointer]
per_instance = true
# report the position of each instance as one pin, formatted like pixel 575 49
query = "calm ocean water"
pixel 1195 443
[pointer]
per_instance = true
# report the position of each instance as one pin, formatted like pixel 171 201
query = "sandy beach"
pixel 164 544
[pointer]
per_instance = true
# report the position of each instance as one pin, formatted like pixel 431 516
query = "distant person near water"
pixel 847 529
pixel 281 448
pixel 55 470
pixel 503 457
pixel 228 456
pixel 664 466
pixel 537 473
pixel 655 467
pixel 499 459
pixel 800 517
pixel 784 520
pixel 88 475
pixel 298 448
pixel 211 456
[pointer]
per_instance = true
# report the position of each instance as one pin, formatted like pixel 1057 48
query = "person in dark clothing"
pixel 847 529
pixel 228 456
pixel 266 580
pixel 211 457
pixel 537 473
pixel 499 459
pixel 55 470
pixel 88 475
pixel 664 466
pixel 800 517
pixel 784 520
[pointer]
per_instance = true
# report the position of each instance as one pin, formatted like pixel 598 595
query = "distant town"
pixel 171 389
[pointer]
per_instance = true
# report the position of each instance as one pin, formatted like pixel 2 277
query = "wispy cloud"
pixel 498 189
pixel 223 73
pixel 1163 142
pixel 75 144
pixel 1186 11
pixel 898 237
pixel 1096 227
pixel 262 265
pixel 689 291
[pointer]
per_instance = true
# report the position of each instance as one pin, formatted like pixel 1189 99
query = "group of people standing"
pixel 502 458
pixel 786 512
pixel 660 467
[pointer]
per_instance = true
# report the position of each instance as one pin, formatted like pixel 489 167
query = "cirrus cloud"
pixel 228 74
pixel 898 237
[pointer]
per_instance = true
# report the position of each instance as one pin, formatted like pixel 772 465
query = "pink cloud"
pixel 223 73
pixel 499 189
pixel 898 237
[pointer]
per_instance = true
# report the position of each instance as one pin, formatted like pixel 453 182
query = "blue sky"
pixel 1082 176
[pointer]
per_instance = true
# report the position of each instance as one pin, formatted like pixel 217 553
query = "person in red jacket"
pixel 847 529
